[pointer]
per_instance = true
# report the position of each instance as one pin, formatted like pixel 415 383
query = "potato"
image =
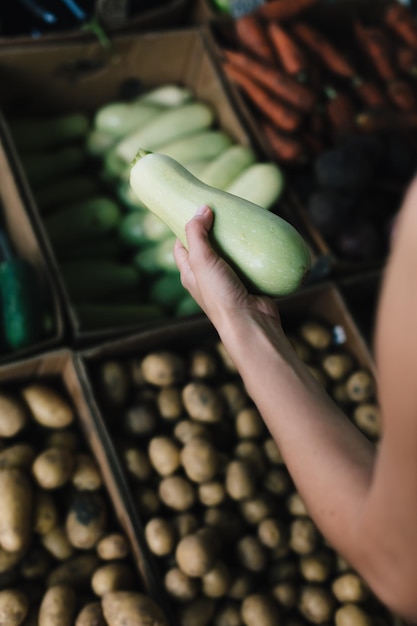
pixel 318 374
pixel 253 453
pixel 185 523
pixel 272 533
pixel 360 386
pixel 286 594
pixel 177 493
pixel 239 480
pixel 256 509
pixel 160 536
pixel 259 609
pixel 164 455
pixel 316 567
pixel 234 396
pixel 113 577
pixel 202 402
pixel 86 474
pixel 277 481
pixel 211 493
pixel 75 572
pixel 304 536
pixel 340 394
pixel 195 555
pixel 198 612
pixel 227 523
pixel 186 429
pixel 147 500
pixel 181 587
pixel 18 456
pixel 227 361
pixel 202 364
pixel 228 614
pixel 137 464
pixel 91 615
pixel 67 439
pixel 86 520
pixel 316 335
pixel 36 563
pixel 133 608
pixel 199 460
pixel 47 406
pixel 351 615
pixel 251 554
pixel 216 582
pixel 349 587
pixel 45 512
pixel 9 559
pixel 241 585
pixel 316 604
pixel 272 452
pixel 113 546
pixel 169 403
pixel 13 415
pixel 300 347
pixel 367 417
pixel 140 419
pixel 57 543
pixel 14 606
pixel 337 365
pixel 283 570
pixel 163 368
pixel 53 468
pixel 249 423
pixel 296 506
pixel 57 606
pixel 113 383
pixel 17 506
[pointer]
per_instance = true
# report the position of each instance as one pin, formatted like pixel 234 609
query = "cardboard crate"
pixel 24 243
pixel 322 303
pixel 60 370
pixel 60 78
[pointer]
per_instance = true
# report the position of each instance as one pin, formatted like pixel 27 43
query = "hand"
pixel 210 280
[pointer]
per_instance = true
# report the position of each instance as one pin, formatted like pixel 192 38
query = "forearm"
pixel 330 461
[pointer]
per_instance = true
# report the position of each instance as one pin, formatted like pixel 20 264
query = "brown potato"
pixel 86 520
pixel 260 609
pixel 57 606
pixel 272 452
pixel 14 606
pixel 45 512
pixel 316 567
pixel 198 612
pixel 169 403
pixel 113 383
pixel 160 536
pixel 36 564
pixel 252 452
pixel 113 546
pixel 177 492
pixel 17 505
pixel 337 365
pixel 316 335
pixel 13 415
pixel 48 407
pixel 185 523
pixel 133 608
pixel 140 419
pixel 181 587
pixel 296 506
pixel 216 582
pixel 53 468
pixel 199 460
pixel 202 364
pixel 9 559
pixel 228 614
pixel 351 615
pixel 163 368
pixel 86 474
pixel 137 464
pixel 186 429
pixel 249 423
pixel 239 480
pixel 350 587
pixel 304 536
pixel 316 604
pixel 277 481
pixel 360 386
pixel 67 439
pixel 286 594
pixel 57 543
pixel 257 508
pixel 164 455
pixel 113 577
pixel 147 500
pixel 202 402
pixel 251 554
pixel 300 347
pixel 75 572
pixel 241 585
pixel 234 397
pixel 211 493
pixel 18 456
pixel 272 533
pixel 195 555
pixel 91 615
pixel 367 417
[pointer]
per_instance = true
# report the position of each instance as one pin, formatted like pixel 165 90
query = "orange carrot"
pixel 376 45
pixel 406 59
pixel 369 93
pixel 285 148
pixel 272 108
pixel 402 95
pixel 326 51
pixel 340 112
pixel 299 96
pixel 402 21
pixel 284 9
pixel 290 54
pixel 251 36
pixel 376 121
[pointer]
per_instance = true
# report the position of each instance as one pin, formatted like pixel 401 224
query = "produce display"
pixel 63 558
pixel 114 256
pixel 232 539
pixel 336 106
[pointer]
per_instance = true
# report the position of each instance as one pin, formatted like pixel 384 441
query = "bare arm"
pixel 353 497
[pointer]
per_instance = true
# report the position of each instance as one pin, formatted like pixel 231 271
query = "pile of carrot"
pixel 308 92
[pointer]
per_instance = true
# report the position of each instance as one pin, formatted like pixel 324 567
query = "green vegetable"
pixel 260 183
pixel 45 167
pixel 167 95
pixel 226 167
pixel 131 230
pixel 98 280
pixel 36 134
pixel 167 290
pixel 157 257
pixel 98 142
pixel 202 145
pixel 117 119
pixel 66 190
pixel 265 250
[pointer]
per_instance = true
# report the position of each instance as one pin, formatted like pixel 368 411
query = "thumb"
pixel 199 226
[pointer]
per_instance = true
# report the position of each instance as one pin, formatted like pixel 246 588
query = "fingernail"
pixel 202 210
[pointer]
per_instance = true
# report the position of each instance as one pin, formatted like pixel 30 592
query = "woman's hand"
pixel 210 280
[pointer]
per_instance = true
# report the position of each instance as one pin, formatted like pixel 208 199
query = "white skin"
pixel 363 501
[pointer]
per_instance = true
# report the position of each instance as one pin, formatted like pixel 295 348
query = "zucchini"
pixel 266 251
pixel 117 119
pixel 154 228
pixel 131 230
pixel 203 145
pixel 66 190
pixel 104 315
pixel 260 183
pixel 45 167
pixel 98 142
pixel 157 257
pixel 166 127
pixel 99 279
pixel 227 166
pixel 167 290
pixel 167 95
pixel 197 167
pixel 187 306
pixel 37 134
pixel 82 221
pixel 126 195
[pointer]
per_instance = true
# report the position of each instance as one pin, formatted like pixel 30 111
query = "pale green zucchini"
pixel 44 167
pixel 260 183
pixel 126 195
pixel 35 134
pixel 98 142
pixel 202 145
pixel 197 167
pixel 154 228
pixel 225 168
pixel 157 257
pixel 265 250
pixel 168 126
pixel 131 230
pixel 120 118
pixel 167 95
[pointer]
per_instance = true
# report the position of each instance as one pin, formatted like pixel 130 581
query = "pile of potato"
pixel 231 536
pixel 63 560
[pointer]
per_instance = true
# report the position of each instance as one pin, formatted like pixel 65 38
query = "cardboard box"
pixel 60 369
pixel 24 243
pixel 60 78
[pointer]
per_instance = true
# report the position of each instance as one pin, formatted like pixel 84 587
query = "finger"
pixel 180 254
